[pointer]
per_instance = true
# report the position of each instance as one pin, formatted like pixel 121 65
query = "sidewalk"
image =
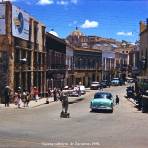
pixel 39 102
pixel 32 103
pixel 131 100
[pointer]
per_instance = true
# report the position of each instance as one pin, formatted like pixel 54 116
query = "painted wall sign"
pixel 2 19
pixel 20 23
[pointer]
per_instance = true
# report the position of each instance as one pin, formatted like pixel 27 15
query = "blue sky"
pixel 118 19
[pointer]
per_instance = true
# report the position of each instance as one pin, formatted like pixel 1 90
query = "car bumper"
pixel 101 108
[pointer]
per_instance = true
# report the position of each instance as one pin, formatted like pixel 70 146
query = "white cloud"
pixel 62 2
pixel 89 24
pixel 125 33
pixel 45 2
pixel 67 2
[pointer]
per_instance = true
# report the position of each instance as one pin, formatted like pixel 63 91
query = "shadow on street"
pixel 76 101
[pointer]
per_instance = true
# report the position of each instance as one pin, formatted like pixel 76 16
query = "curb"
pixel 132 101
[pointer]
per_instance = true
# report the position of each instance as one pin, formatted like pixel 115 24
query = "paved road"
pixel 42 126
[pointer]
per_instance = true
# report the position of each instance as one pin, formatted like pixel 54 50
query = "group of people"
pixel 55 93
pixel 21 98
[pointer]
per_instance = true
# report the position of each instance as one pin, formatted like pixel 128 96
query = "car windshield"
pixel 103 96
pixel 115 78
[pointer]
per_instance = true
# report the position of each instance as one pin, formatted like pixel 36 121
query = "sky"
pixel 117 19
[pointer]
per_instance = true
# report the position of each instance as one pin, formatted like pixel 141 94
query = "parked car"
pixel 82 89
pixel 130 92
pixel 115 82
pixel 130 80
pixel 95 85
pixel 75 92
pixel 104 83
pixel 102 101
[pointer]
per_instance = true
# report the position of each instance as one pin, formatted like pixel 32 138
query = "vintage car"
pixel 95 85
pixel 102 101
pixel 115 82
pixel 82 89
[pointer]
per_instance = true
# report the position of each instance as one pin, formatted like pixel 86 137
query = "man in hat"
pixel 64 100
pixel 7 96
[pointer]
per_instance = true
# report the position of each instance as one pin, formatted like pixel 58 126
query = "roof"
pixel 48 34
pixel 77 32
pixel 88 49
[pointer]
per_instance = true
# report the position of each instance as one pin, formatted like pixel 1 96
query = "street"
pixel 42 126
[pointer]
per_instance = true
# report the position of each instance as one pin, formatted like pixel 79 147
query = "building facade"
pixel 69 77
pixel 22 50
pixel 56 61
pixel 144 48
pixel 87 66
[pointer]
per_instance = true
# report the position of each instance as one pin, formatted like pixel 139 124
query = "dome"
pixel 77 32
pixel 54 33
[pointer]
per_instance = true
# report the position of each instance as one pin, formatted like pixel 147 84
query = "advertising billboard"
pixel 20 23
pixel 2 19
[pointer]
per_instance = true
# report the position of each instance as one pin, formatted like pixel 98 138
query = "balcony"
pixel 57 67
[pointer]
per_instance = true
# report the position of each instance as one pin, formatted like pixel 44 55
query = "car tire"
pixel 112 111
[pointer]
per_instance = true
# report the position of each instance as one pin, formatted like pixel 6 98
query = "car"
pixel 95 85
pixel 75 92
pixel 115 82
pixel 102 101
pixel 104 83
pixel 130 80
pixel 82 89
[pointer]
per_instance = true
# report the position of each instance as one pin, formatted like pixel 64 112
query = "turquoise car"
pixel 102 101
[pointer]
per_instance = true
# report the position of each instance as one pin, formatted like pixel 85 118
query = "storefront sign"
pixel 2 19
pixel 20 23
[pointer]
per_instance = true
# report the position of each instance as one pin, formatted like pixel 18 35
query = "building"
pixel 56 61
pixel 144 48
pixel 87 66
pixel 22 50
pixel 69 78
pixel 87 61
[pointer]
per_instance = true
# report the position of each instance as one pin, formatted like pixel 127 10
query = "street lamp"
pixel 52 83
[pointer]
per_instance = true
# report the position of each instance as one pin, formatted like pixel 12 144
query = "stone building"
pixel 56 61
pixel 22 50
pixel 87 60
pixel 69 77
pixel 87 66
pixel 144 47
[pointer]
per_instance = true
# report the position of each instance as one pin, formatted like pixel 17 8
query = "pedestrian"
pixel 55 94
pixel 29 96
pixel 64 100
pixel 35 93
pixel 25 98
pixel 48 95
pixel 19 98
pixel 7 92
pixel 101 87
pixel 117 99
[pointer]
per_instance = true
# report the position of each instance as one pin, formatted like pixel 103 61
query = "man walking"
pixel 117 99
pixel 7 96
